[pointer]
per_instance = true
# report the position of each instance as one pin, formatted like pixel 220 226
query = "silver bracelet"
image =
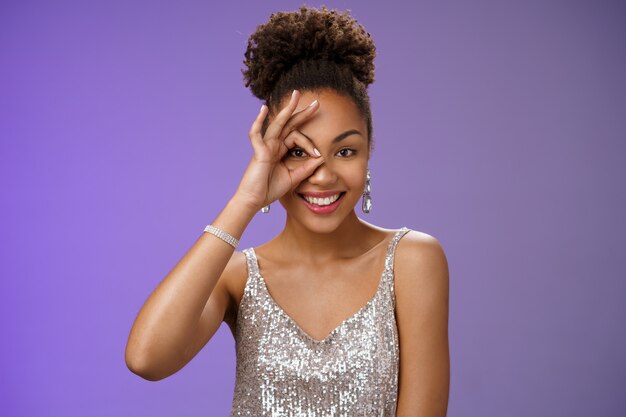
pixel 222 235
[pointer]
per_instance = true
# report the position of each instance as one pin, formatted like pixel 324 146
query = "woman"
pixel 334 316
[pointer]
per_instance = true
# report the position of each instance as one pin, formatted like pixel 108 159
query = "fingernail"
pixel 293 94
pixel 263 105
pixel 317 152
pixel 313 104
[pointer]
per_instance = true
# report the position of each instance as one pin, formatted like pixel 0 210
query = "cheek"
pixel 286 201
pixel 289 198
pixel 354 181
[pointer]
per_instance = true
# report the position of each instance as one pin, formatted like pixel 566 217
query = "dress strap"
pixel 253 266
pixel 391 249
pixel 389 273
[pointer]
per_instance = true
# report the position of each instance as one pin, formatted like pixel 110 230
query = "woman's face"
pixel 339 132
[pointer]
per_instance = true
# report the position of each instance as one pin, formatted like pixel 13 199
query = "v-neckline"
pixel 343 323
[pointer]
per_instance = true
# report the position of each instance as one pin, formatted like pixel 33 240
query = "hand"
pixel 267 178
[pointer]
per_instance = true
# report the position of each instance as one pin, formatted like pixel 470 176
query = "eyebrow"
pixel 339 137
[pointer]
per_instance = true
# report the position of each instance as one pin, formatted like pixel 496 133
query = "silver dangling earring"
pixel 367 198
pixel 265 209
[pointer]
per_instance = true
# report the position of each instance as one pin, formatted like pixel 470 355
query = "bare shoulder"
pixel 237 265
pixel 420 262
pixel 422 301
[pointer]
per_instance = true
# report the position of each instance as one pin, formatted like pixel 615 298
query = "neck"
pixel 349 239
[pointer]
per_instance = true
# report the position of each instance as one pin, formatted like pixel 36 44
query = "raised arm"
pixel 163 332
pixel 189 304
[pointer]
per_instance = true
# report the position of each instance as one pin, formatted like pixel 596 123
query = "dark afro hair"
pixel 310 49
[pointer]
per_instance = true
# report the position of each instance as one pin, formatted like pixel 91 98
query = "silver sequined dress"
pixel 282 371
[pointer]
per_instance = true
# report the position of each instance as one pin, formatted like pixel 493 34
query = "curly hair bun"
pixel 310 34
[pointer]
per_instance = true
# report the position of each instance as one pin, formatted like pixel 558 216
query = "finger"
pixel 296 138
pixel 276 126
pixel 305 170
pixel 298 118
pixel 255 130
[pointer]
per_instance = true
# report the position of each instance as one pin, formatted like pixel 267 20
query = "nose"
pixel 324 175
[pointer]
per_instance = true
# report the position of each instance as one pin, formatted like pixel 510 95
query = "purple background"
pixel 500 130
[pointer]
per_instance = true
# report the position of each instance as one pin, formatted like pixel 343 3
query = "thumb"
pixel 305 170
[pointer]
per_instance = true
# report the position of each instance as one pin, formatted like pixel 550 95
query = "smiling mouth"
pixel 322 202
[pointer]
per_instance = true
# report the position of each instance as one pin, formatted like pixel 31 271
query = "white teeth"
pixel 322 201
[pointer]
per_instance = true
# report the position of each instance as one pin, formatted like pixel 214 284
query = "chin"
pixel 322 226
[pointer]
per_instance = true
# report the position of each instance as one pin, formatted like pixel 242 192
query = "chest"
pixel 318 299
pixel 351 369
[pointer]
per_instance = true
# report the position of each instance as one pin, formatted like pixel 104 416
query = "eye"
pixel 346 152
pixel 296 152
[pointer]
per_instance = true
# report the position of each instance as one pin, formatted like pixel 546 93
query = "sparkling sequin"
pixel 282 371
